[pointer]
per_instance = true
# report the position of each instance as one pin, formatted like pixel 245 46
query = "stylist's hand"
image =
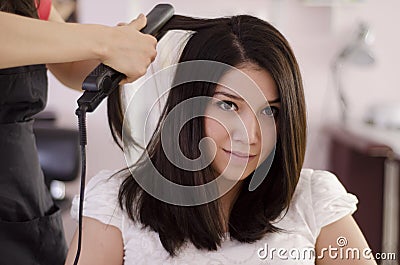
pixel 129 51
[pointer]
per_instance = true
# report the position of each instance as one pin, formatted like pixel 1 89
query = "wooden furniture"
pixel 367 159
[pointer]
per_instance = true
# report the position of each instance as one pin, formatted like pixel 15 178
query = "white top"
pixel 319 200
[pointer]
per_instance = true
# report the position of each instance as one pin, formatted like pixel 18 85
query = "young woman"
pixel 30 224
pixel 248 135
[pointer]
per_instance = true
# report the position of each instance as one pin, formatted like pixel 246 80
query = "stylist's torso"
pixel 30 224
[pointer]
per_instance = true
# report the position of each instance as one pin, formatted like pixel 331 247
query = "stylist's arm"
pixel 31 229
pixel 71 51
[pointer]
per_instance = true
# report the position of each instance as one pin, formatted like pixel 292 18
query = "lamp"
pixel 357 52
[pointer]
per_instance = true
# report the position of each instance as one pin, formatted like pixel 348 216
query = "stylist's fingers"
pixel 140 22
pixel 146 39
pixel 145 46
pixel 129 51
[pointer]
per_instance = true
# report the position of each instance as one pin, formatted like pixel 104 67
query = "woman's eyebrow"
pixel 228 95
pixel 277 100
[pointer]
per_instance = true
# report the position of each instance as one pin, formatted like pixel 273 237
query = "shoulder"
pixel 319 183
pixel 323 187
pixel 321 199
pixel 101 199
pixel 104 179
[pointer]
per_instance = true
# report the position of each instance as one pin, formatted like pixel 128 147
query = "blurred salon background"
pixel 349 55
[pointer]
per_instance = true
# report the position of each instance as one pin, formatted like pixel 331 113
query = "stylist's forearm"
pixel 31 41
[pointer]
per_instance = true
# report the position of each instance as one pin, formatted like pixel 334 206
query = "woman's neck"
pixel 227 201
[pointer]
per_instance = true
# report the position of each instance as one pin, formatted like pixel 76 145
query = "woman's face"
pixel 240 120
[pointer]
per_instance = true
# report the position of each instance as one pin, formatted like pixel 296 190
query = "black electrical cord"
pixel 81 113
pixel 98 85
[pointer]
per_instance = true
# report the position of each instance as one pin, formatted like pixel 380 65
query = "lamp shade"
pixel 358 51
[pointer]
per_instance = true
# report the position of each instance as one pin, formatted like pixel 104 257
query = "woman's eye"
pixel 227 105
pixel 271 111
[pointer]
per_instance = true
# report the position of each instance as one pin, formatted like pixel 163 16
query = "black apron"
pixel 31 230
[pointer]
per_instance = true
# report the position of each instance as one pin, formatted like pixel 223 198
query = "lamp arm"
pixel 335 68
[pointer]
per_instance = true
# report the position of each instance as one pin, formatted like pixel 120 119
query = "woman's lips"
pixel 239 155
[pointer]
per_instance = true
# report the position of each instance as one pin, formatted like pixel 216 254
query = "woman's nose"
pixel 247 129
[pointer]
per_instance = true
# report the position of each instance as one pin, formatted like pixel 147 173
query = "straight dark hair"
pixel 25 8
pixel 234 41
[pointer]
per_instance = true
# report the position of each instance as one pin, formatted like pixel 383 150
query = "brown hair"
pixel 233 41
pixel 25 8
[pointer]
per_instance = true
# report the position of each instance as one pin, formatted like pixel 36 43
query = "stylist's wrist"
pixel 103 46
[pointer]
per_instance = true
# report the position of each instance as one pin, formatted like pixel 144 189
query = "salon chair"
pixel 59 153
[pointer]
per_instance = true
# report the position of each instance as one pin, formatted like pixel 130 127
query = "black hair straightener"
pixel 103 80
pixel 98 85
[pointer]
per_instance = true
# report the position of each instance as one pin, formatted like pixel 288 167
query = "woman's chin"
pixel 234 176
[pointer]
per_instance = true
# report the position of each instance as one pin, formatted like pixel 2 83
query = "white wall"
pixel 102 153
pixel 316 35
